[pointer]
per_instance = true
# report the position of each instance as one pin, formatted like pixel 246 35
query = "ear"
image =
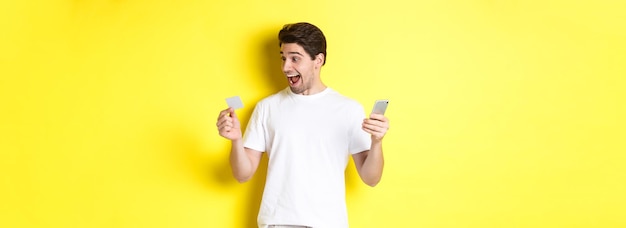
pixel 319 60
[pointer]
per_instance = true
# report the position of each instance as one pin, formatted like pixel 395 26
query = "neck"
pixel 315 89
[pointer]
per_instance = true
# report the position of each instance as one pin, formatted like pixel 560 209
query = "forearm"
pixel 372 169
pixel 240 162
pixel 370 164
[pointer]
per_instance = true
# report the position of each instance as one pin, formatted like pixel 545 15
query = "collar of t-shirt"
pixel 309 97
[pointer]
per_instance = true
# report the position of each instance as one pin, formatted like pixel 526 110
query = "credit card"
pixel 234 102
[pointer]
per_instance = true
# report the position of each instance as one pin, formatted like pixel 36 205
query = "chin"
pixel 296 90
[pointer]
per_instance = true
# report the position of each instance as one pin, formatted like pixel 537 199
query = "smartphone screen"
pixel 380 106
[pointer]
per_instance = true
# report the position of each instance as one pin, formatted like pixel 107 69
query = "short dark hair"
pixel 309 36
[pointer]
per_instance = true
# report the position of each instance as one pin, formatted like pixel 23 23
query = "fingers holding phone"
pixel 377 124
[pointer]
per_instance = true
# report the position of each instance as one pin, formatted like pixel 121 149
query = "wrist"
pixel 377 141
pixel 237 141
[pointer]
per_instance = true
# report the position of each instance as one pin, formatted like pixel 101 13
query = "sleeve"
pixel 359 139
pixel 254 137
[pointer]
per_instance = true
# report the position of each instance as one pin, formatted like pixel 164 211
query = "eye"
pixel 295 59
pixel 283 58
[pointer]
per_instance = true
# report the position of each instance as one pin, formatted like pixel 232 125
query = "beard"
pixel 298 90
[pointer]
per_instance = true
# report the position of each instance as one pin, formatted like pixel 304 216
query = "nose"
pixel 286 66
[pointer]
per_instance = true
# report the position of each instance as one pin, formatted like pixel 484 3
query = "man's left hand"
pixel 377 125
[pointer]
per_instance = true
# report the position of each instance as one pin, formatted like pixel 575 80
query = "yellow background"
pixel 503 113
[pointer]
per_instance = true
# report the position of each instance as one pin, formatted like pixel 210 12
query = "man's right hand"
pixel 228 124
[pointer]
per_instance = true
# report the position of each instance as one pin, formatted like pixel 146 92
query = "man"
pixel 308 131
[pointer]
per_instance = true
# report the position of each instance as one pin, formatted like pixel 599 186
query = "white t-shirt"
pixel 308 140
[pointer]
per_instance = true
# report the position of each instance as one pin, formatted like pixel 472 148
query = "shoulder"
pixel 273 99
pixel 346 104
pixel 280 95
pixel 344 100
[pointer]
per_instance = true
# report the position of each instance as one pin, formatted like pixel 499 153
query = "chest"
pixel 311 121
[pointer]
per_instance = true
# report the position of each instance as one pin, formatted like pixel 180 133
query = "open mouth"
pixel 293 79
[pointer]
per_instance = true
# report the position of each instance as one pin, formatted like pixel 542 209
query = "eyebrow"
pixel 293 52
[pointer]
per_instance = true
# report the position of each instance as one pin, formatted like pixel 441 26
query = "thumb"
pixel 232 113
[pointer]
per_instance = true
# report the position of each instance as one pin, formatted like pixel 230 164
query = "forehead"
pixel 292 49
